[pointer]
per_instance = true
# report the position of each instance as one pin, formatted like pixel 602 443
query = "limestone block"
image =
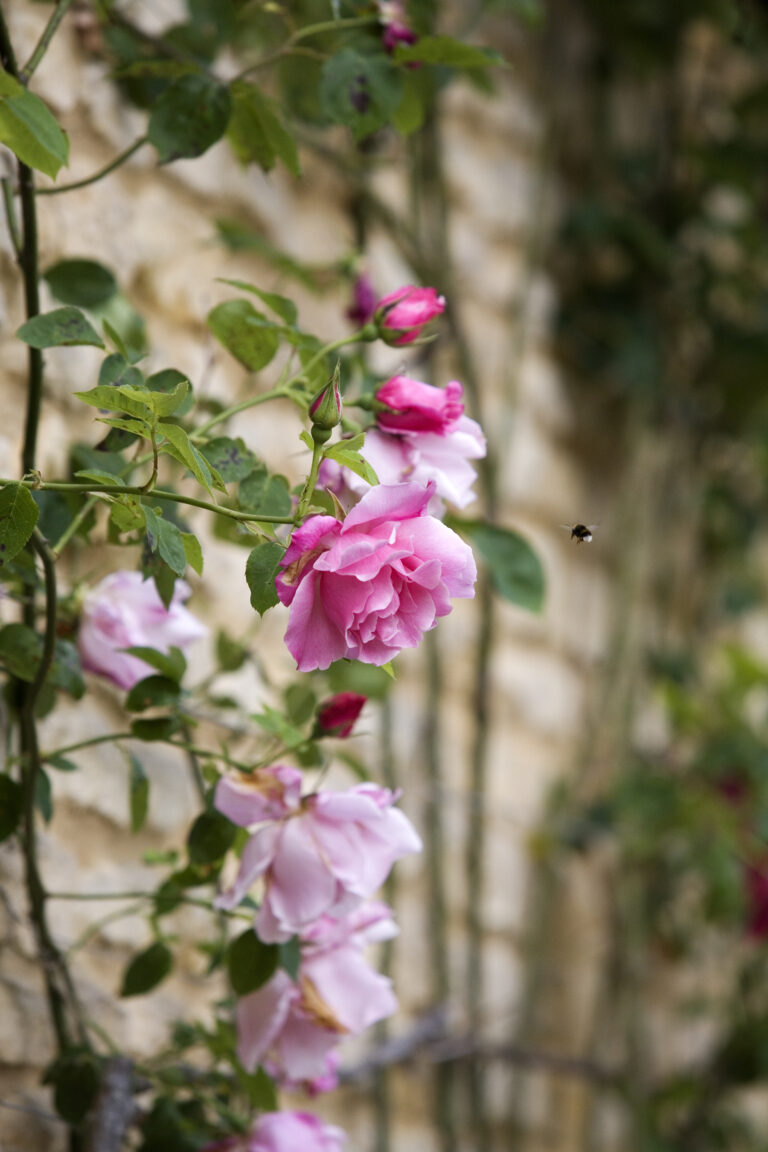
pixel 503 198
pixel 541 391
pixel 542 689
pixel 538 473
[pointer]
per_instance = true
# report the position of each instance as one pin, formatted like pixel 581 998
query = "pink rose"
pixel 293 1027
pixel 363 304
pixel 369 587
pixel 125 611
pixel 396 29
pixel 403 315
pixel 427 457
pixel 338 715
pixel 294 1132
pixel 412 406
pixel 321 856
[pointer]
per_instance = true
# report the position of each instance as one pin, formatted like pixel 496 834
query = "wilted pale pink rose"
pixel 322 856
pixel 294 1132
pixel 125 611
pixel 412 406
pixel 338 715
pixel 293 1027
pixel 396 29
pixel 369 587
pixel 402 315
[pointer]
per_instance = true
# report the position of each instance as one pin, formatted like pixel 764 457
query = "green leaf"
pixel 11 805
pixel 290 957
pixel 20 650
pixel 66 671
pixel 60 763
pixel 76 1081
pixel 100 477
pixel 260 572
pixel 448 52
pixel 63 327
pixel 280 305
pixel 138 793
pixel 161 403
pixel 166 381
pixel 259 1088
pixel 344 453
pixel 84 283
pixel 210 837
pixel 265 493
pixel 188 117
pixel 160 728
pixel 135 427
pixel 147 969
pixel 230 653
pixel 250 963
pixel 18 517
pixel 362 92
pixel 246 333
pixel 516 571
pixel 166 539
pixel 152 692
pixel 193 551
pixel 257 133
pixel 118 398
pixel 412 109
pixel 29 129
pixel 182 449
pixel 44 795
pixel 171 664
pixel 231 459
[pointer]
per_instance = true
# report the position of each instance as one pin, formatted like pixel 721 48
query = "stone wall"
pixel 154 227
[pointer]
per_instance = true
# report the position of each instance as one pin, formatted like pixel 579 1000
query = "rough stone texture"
pixel 154 227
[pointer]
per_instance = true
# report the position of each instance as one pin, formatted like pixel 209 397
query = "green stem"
pixel 309 487
pixel 157 493
pixel 42 45
pixel 90 743
pixel 73 526
pixel 96 176
pixel 10 216
pixel 304 34
pixel 206 753
pixel 284 390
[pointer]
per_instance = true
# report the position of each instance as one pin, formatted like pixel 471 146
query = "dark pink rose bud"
pixel 403 315
pixel 363 303
pixel 405 405
pixel 757 900
pixel 397 33
pixel 325 409
pixel 338 715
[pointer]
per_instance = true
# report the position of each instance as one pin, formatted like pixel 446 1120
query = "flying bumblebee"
pixel 581 533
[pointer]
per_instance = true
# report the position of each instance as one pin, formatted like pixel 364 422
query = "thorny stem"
pixel 96 176
pixel 10 216
pixel 45 39
pixel 157 494
pixel 309 486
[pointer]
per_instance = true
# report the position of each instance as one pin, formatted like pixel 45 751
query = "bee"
pixel 581 533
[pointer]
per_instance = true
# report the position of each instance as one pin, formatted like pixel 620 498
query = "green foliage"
pixel 138 793
pixel 189 117
pixel 260 572
pixel 257 133
pixel 246 333
pixel 231 459
pixel 515 568
pixel 63 327
pixel 29 129
pixel 250 962
pixel 210 838
pixel 447 52
pixel 82 283
pixel 76 1079
pixel 146 970
pixel 361 91
pixel 18 517
pixel 265 493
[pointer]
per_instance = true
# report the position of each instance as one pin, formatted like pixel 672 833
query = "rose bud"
pixel 402 316
pixel 338 715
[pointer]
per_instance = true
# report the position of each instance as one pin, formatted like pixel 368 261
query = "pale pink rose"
pixel 425 457
pixel 125 611
pixel 294 1132
pixel 292 1028
pixel 253 798
pixel 403 315
pixel 321 858
pixel 369 587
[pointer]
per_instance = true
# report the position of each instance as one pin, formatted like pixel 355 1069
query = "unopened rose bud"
pixel 325 409
pixel 338 715
pixel 402 316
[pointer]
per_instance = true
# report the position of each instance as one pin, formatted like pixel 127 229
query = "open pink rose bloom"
pixel 125 611
pixel 293 1027
pixel 370 586
pixel 293 1132
pixel 318 855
